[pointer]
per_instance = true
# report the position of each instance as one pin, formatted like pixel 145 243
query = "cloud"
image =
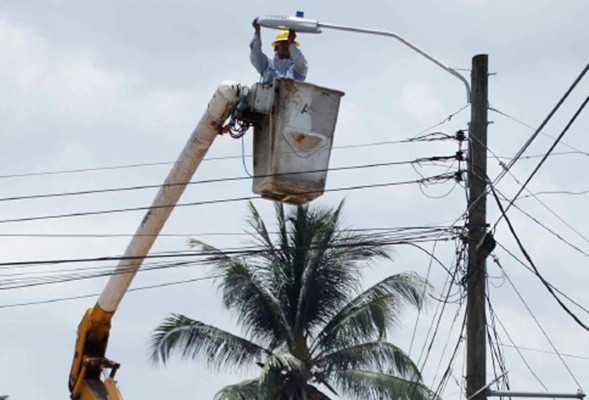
pixel 418 100
pixel 75 84
pixel 472 3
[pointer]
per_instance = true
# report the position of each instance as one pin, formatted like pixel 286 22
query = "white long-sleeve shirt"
pixel 294 67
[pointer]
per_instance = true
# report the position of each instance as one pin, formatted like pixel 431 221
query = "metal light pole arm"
pixel 406 43
pixel 312 26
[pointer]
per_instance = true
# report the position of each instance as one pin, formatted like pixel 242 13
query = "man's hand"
pixel 292 35
pixel 256 26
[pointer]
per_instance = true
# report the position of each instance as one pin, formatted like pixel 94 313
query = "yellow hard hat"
pixel 282 36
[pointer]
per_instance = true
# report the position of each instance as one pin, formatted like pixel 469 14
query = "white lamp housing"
pixel 285 23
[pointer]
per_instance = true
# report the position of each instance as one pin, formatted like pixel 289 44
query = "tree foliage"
pixel 308 327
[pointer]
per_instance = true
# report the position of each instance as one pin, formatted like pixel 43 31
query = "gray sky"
pixel 95 84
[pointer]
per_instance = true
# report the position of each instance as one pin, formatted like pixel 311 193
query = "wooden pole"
pixel 476 345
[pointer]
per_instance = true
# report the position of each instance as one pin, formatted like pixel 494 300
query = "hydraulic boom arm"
pixel 93 331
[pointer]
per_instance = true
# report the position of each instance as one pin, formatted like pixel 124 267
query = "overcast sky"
pixel 89 84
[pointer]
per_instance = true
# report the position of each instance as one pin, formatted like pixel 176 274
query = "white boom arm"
pixel 94 328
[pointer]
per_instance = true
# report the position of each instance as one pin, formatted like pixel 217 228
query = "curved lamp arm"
pixel 312 26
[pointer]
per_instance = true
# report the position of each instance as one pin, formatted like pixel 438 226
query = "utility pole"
pixel 476 320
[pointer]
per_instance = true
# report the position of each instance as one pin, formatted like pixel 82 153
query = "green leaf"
pixel 258 309
pixel 370 385
pixel 245 390
pixel 370 314
pixel 196 340
pixel 279 373
pixel 375 356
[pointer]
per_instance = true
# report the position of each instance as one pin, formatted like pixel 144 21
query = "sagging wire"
pixel 497 355
pixel 441 308
pixel 527 307
pixel 460 137
pixel 447 119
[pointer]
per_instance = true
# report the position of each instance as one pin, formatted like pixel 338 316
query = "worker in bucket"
pixel 288 62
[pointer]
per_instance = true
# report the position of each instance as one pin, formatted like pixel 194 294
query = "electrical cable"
pixel 563 294
pixel 528 258
pixel 230 252
pixel 574 149
pixel 137 289
pixel 443 304
pixel 546 192
pixel 456 315
pixel 436 178
pixel 569 124
pixel 427 275
pixel 218 180
pixel 446 375
pixel 517 292
pixel 513 343
pixel 85 296
pixel 447 119
pixel 545 352
pixel 558 236
pixel 561 153
pixel 496 351
pixel 546 120
pixel 420 229
pixel 159 163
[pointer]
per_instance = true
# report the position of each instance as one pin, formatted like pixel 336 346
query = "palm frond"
pixel 323 233
pixel 279 370
pixel 249 294
pixel 282 227
pixel 374 356
pixel 370 314
pixel 212 255
pixel 332 272
pixel 245 390
pixel 196 340
pixel 377 386
pixel 272 254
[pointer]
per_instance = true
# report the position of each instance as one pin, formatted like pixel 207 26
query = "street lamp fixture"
pixel 305 25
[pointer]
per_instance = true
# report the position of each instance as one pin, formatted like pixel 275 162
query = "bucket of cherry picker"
pixel 292 139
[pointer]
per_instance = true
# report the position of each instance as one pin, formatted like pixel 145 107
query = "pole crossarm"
pixel 450 70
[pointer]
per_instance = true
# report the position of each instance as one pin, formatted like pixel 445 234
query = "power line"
pixel 416 139
pixel 250 252
pixel 497 355
pixel 219 180
pixel 496 317
pixel 564 131
pixel 231 252
pixel 575 150
pixel 447 119
pixel 535 220
pixel 546 120
pixel 544 351
pixel 560 153
pixel 496 260
pixel 436 228
pixel 432 179
pixel 558 236
pixel 563 294
pixel 529 259
pixel 137 289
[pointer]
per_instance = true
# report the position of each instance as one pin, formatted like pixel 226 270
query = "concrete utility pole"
pixel 476 343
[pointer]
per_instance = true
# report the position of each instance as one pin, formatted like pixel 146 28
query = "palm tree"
pixel 306 324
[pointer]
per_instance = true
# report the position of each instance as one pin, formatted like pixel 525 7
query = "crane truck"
pixel 90 360
pixel 293 124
